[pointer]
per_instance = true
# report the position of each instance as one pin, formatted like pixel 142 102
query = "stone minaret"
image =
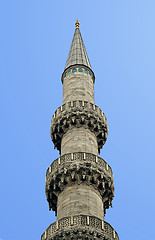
pixel 79 184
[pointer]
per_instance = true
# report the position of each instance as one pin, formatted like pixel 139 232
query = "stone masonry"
pixel 79 184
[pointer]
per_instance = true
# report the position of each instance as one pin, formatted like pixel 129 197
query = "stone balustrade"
pixel 81 157
pixel 80 105
pixel 85 226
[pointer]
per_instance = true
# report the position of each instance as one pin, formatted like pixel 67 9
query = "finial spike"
pixel 77 24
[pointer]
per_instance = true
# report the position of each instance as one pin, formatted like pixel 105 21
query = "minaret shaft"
pixel 80 199
pixel 78 85
pixel 79 140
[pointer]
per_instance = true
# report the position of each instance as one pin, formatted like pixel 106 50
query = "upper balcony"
pixel 79 114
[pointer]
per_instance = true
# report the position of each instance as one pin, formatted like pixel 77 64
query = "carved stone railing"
pixel 81 157
pixel 80 226
pixel 81 168
pixel 79 114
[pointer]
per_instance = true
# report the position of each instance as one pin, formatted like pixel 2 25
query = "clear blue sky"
pixel 35 38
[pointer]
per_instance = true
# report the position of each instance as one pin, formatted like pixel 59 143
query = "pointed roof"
pixel 77 54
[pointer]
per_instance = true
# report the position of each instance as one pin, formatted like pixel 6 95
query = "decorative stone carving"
pixel 80 227
pixel 81 168
pixel 79 114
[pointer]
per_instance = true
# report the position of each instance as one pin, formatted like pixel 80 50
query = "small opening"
pixel 69 72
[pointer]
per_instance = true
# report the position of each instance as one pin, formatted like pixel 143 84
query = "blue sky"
pixel 35 38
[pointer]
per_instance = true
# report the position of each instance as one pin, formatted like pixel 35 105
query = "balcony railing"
pixel 81 222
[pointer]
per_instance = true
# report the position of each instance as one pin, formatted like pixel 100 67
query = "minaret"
pixel 79 184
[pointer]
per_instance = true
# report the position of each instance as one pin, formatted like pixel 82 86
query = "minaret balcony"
pixel 79 168
pixel 80 227
pixel 79 114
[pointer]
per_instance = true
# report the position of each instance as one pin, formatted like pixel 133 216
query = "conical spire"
pixel 77 54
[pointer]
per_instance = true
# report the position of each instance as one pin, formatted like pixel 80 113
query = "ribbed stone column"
pixel 79 184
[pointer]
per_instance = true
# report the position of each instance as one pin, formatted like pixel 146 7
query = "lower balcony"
pixel 80 227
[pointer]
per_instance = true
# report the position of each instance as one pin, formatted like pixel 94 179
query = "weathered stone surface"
pixel 80 227
pixel 79 140
pixel 80 199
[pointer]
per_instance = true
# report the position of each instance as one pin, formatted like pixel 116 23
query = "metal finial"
pixel 77 24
